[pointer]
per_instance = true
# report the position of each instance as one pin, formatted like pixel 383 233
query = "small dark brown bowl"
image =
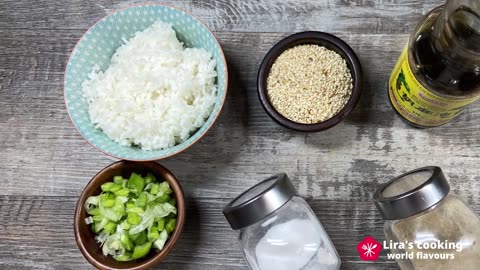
pixel 323 39
pixel 84 236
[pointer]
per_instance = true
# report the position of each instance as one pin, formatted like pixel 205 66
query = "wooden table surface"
pixel 45 163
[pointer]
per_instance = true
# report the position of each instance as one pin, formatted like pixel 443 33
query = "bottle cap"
pixel 259 201
pixel 411 193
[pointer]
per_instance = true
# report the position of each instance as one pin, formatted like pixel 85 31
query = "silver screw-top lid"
pixel 411 193
pixel 259 201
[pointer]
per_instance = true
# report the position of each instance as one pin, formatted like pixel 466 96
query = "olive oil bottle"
pixel 438 73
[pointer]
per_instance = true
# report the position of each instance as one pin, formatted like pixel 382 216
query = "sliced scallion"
pixel 89 220
pixel 131 216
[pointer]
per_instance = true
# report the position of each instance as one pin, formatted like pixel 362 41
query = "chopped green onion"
pixel 115 188
pixel 161 224
pixel 165 188
pixel 125 257
pixel 130 216
pixel 110 228
pixel 159 210
pixel 122 192
pixel 142 199
pixel 170 227
pixel 133 218
pixel 91 201
pixel 154 189
pixel 134 237
pixel 107 186
pixel 136 183
pixel 94 211
pixel 141 238
pixel 109 213
pixel 153 234
pixel 160 242
pixel 125 225
pixel 89 220
pixel 162 199
pixel 172 201
pixel 118 179
pixel 148 186
pixel 126 242
pixel 102 237
pixel 141 251
pixel 130 204
pixel 99 225
pixel 135 209
pixel 108 203
pixel 150 178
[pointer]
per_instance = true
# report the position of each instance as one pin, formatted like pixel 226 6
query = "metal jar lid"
pixel 411 193
pixel 259 201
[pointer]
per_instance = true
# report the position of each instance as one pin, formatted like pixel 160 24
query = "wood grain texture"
pixel 353 16
pixel 45 163
pixel 37 234
pixel 42 147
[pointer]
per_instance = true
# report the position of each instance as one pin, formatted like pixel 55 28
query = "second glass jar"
pixel 278 230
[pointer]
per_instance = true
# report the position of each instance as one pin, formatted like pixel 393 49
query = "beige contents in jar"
pixel 449 221
pixel 309 84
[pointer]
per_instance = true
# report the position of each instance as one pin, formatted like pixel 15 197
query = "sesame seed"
pixel 309 84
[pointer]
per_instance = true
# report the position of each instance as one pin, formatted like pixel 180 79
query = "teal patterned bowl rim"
pixel 199 134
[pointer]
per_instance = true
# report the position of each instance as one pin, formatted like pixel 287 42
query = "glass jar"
pixel 438 73
pixel 278 230
pixel 426 226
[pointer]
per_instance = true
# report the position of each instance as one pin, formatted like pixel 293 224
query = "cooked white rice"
pixel 155 92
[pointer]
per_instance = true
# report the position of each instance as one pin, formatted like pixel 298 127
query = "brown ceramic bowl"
pixel 323 39
pixel 85 238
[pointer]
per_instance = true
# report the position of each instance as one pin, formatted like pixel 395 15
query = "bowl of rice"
pixel 145 82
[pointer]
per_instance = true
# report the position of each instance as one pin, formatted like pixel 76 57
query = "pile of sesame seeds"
pixel 309 84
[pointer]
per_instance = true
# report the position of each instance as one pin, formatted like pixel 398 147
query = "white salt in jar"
pixel 278 230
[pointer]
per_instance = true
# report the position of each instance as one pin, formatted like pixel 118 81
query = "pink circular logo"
pixel 369 249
